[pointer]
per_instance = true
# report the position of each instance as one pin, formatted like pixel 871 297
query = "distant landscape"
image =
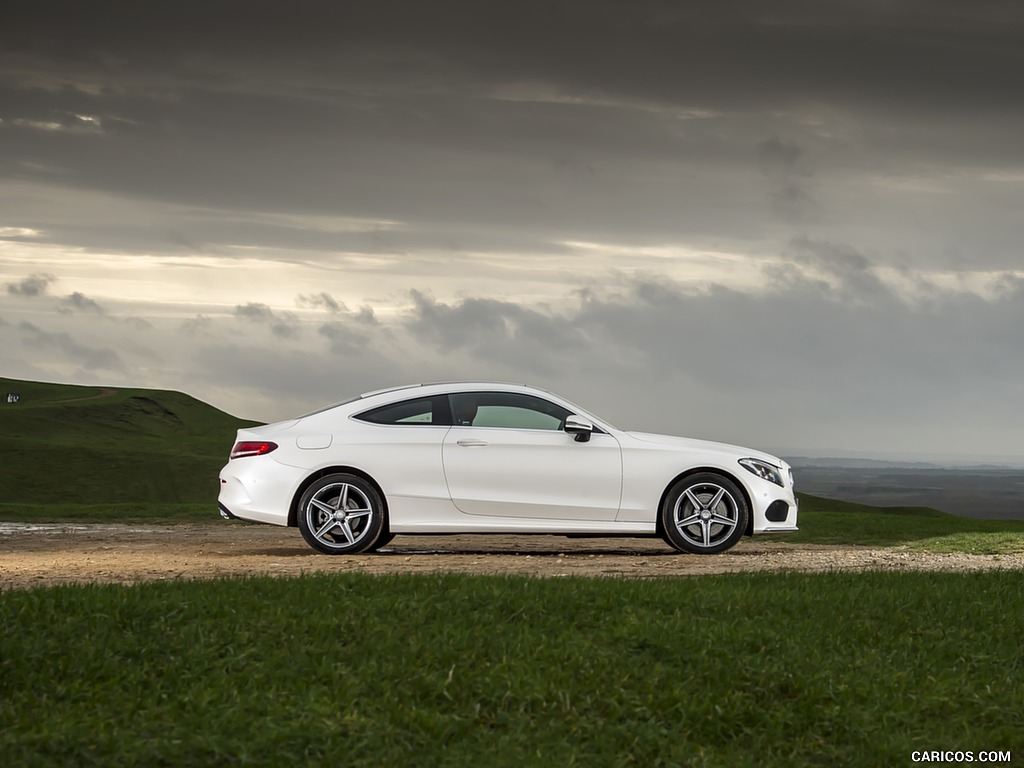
pixel 981 492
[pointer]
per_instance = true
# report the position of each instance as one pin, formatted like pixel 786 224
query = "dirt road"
pixel 55 554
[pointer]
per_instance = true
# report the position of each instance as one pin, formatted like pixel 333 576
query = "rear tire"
pixel 341 514
pixel 382 541
pixel 704 514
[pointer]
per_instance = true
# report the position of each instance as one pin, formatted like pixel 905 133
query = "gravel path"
pixel 56 554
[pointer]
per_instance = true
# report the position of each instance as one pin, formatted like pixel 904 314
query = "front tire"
pixel 704 514
pixel 341 514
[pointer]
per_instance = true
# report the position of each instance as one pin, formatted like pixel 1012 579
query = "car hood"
pixel 690 444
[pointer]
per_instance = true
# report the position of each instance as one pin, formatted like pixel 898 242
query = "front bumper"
pixel 775 509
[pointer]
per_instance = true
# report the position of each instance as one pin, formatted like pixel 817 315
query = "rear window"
pixel 422 410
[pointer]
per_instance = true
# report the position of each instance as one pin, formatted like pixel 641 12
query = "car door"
pixel 507 455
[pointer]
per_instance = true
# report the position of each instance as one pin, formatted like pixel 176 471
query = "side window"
pixel 422 410
pixel 506 409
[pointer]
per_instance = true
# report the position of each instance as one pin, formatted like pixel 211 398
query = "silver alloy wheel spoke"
pixel 325 508
pixel 327 527
pixel 705 527
pixel 333 523
pixel 716 500
pixel 694 518
pixel 697 503
pixel 346 529
pixel 722 520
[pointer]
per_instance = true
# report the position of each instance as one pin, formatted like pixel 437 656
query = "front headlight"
pixel 763 469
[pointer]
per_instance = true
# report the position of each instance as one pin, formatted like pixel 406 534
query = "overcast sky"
pixel 794 225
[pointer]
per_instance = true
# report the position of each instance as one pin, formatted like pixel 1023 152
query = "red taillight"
pixel 252 448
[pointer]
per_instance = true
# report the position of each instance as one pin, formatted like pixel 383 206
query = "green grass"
pixel 827 521
pixel 127 512
pixel 58 446
pixel 351 669
pixel 998 543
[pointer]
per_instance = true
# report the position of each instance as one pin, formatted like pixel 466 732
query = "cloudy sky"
pixel 796 225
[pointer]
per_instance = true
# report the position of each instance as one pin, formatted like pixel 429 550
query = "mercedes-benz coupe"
pixel 483 457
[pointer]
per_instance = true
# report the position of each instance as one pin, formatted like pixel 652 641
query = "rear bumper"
pixel 251 489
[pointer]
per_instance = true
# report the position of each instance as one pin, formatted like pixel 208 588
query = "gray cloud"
pixel 197 326
pixel 855 276
pixel 79 302
pixel 90 358
pixel 496 331
pixel 282 324
pixel 139 323
pixel 787 188
pixel 322 300
pixel 33 285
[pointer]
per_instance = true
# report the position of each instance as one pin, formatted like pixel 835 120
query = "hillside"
pixel 72 444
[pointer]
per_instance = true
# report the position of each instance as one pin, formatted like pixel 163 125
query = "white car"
pixel 495 458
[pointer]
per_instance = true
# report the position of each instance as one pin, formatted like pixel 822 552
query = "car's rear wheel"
pixel 382 541
pixel 704 514
pixel 341 514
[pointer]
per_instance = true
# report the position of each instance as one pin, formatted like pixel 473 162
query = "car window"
pixel 422 410
pixel 506 409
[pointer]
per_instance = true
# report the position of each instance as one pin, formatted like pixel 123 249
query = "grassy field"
pixel 828 521
pixel 153 513
pixel 65 444
pixel 738 670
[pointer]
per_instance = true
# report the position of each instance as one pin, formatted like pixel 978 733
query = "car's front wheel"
pixel 341 514
pixel 704 514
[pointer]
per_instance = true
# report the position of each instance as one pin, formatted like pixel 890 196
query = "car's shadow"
pixel 470 551
pixel 564 552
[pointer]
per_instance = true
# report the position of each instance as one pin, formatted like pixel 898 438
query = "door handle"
pixel 467 443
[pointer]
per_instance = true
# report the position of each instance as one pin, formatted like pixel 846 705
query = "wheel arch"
pixel 293 508
pixel 714 470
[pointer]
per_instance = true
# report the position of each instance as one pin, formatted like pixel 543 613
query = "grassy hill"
pixel 64 444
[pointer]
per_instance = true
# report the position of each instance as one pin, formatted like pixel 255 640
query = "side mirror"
pixel 580 427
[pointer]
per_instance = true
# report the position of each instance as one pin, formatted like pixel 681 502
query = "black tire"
pixel 354 507
pixel 382 541
pixel 704 514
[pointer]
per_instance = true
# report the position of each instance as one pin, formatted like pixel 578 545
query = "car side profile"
pixel 485 457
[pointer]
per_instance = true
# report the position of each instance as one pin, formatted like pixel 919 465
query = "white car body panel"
pixel 532 473
pixel 518 481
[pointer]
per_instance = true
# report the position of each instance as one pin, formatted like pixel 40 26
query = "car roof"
pixel 394 394
pixel 451 386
